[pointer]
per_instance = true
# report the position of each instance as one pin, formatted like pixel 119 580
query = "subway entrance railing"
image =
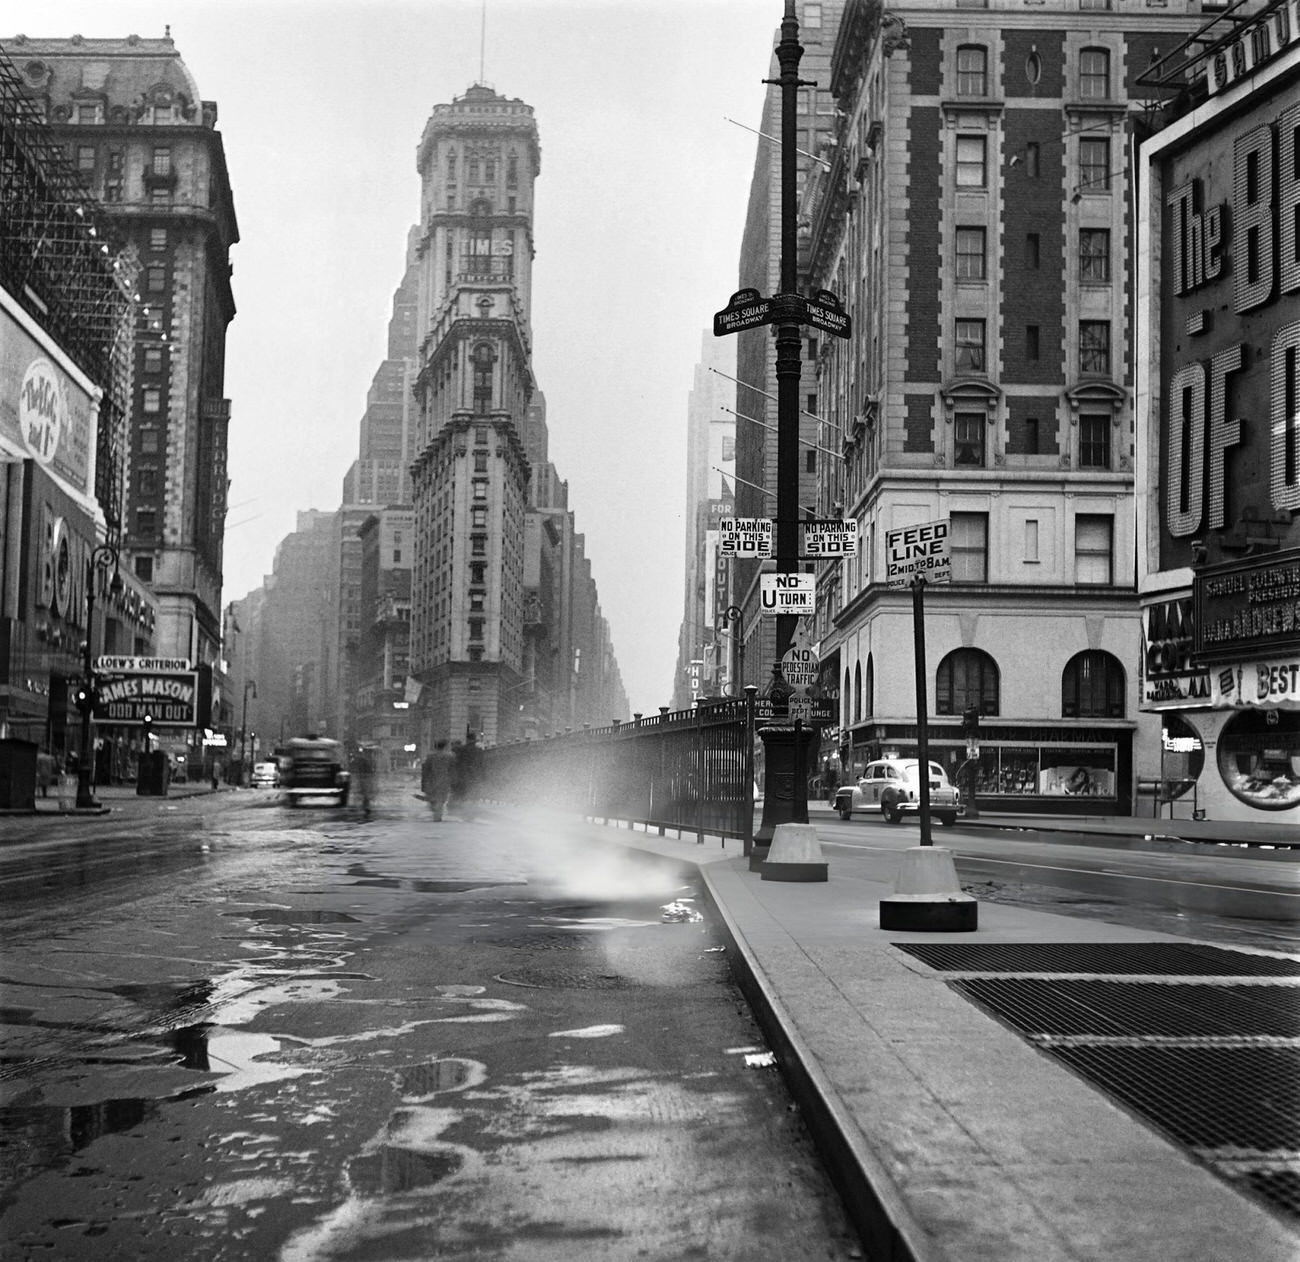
pixel 688 770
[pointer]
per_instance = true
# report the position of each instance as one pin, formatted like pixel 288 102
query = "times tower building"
pixel 478 159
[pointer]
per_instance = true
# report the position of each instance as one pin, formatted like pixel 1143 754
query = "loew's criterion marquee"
pixel 162 689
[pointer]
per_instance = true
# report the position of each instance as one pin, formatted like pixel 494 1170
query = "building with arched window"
pixel 973 216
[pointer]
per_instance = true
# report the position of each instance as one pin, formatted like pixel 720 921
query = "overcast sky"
pixel 640 206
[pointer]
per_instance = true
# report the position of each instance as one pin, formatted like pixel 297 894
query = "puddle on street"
pixel 39 1137
pixel 381 880
pixel 299 916
pixel 392 1170
pixel 420 1082
pixel 679 911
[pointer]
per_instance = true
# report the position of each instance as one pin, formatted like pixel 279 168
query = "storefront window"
pixel 1046 771
pixel 1017 770
pixel 1078 772
pixel 1259 758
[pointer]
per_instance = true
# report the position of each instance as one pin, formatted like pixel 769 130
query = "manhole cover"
pixel 526 941
pixel 543 978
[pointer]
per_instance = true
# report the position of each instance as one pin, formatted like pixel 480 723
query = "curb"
pixel 886 1229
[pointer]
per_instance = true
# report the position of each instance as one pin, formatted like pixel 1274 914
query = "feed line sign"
pixel 918 550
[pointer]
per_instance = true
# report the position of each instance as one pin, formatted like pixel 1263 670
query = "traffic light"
pixel 82 698
pixel 146 729
pixel 970 721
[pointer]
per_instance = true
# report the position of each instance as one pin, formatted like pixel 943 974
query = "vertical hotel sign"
pixel 1229 313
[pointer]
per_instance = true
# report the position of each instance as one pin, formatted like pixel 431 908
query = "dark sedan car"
pixel 312 767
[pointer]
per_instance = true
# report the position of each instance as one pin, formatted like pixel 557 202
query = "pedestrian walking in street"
pixel 363 769
pixel 466 777
pixel 435 777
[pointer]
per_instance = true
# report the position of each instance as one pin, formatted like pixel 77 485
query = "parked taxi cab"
pixel 892 788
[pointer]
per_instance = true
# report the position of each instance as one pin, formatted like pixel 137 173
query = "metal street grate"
pixel 1074 1007
pixel 1206 1098
pixel 1233 1100
pixel 1179 959
pixel 1278 1187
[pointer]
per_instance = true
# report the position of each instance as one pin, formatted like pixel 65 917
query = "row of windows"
pixel 973 72
pixel 970 249
pixel 1092 686
pixel 972 356
pixel 971 168
pixel 483 170
pixel 88 113
pixel 968 542
pixel 970 442
pixel 160 161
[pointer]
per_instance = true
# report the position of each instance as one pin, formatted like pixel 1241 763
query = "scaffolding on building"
pixel 61 261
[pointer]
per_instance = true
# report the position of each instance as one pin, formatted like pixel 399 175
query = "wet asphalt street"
pixel 236 1031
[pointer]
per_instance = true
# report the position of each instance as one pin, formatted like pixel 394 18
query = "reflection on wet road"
pixel 393 1038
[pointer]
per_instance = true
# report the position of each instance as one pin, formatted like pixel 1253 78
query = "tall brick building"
pixel 130 118
pixel 976 218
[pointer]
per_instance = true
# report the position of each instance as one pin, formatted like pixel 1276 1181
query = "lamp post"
pixel 103 557
pixel 734 613
pixel 243 732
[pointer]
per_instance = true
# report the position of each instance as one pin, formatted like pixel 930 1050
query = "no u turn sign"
pixel 788 593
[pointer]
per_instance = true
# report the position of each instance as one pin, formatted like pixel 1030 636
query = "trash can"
pixel 17 774
pixel 154 773
pixel 66 789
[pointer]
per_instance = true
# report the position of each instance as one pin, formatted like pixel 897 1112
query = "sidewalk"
pixel 1211 831
pixel 954 1138
pixel 109 795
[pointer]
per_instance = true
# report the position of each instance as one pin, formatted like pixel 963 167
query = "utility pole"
pixel 786 745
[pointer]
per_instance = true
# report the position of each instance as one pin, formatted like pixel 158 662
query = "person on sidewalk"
pixel 435 777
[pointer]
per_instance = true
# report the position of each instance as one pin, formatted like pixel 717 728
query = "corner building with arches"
pixel 974 213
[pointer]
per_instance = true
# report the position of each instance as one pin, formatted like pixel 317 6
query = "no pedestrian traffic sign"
pixel 800 668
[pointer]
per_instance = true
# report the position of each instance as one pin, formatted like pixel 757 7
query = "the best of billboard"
pixel 1229 299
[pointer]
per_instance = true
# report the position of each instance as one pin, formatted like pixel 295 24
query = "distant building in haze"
pixel 705 657
pixel 506 634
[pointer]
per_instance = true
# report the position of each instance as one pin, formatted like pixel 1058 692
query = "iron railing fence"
pixel 688 770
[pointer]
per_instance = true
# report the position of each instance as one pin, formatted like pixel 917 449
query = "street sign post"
pixel 745 537
pixel 830 538
pixel 825 313
pixel 918 551
pixel 818 711
pixel 800 669
pixel 788 594
pixel 747 309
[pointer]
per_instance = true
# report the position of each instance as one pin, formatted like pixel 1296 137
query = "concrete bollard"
pixel 928 896
pixel 795 855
